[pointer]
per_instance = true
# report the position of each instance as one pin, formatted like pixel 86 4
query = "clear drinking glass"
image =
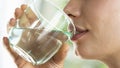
pixel 39 38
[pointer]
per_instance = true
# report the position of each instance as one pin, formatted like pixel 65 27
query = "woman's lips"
pixel 79 33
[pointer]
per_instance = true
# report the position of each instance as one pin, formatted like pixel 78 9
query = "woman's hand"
pixel 56 61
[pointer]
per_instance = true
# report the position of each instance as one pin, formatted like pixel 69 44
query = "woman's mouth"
pixel 79 33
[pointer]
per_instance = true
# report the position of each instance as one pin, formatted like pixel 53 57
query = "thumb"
pixel 7 45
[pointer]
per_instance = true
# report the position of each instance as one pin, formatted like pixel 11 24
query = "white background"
pixel 7 8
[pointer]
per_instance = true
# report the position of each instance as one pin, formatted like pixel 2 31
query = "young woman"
pixel 98 28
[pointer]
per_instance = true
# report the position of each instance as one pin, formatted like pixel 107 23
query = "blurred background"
pixel 7 8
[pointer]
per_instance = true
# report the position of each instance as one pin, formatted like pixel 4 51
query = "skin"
pixel 101 19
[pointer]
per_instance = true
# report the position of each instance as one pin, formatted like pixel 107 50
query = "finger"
pixel 18 60
pixel 28 65
pixel 26 17
pixel 6 42
pixel 61 54
pixel 23 7
pixel 30 15
pixel 18 13
pixel 22 63
pixel 11 23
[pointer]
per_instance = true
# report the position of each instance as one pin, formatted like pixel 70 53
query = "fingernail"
pixel 12 21
pixel 5 40
pixel 23 7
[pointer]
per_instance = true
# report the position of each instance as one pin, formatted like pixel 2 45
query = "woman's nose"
pixel 73 8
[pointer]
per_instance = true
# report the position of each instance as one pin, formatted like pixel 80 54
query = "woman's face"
pixel 98 26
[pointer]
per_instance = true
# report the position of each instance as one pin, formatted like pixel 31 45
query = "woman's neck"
pixel 113 60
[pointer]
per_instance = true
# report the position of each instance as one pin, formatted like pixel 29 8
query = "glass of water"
pixel 39 39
